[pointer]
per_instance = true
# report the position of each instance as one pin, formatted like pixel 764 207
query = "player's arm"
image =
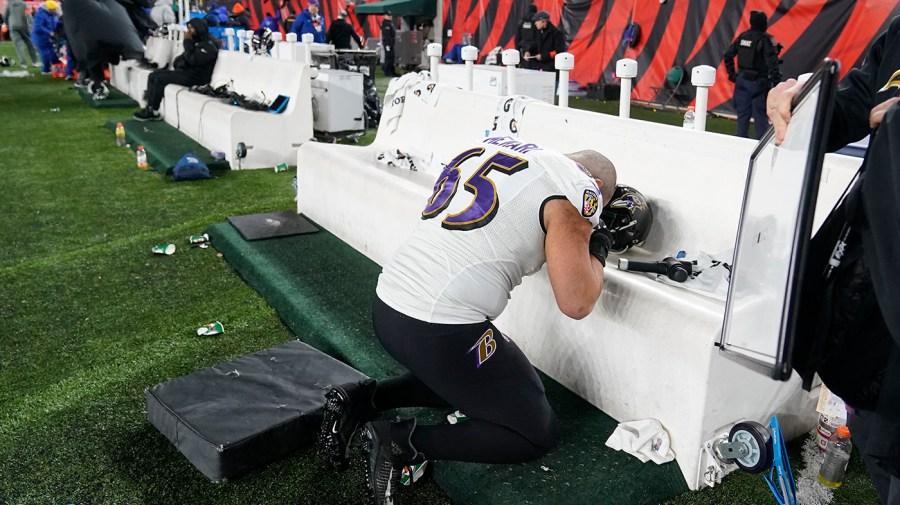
pixel 576 275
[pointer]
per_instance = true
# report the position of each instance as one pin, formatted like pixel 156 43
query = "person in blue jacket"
pixel 310 21
pixel 43 32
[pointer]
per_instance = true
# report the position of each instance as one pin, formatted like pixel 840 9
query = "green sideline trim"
pixel 115 100
pixel 164 144
pixel 323 290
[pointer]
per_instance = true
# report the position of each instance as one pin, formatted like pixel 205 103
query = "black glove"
pixel 601 240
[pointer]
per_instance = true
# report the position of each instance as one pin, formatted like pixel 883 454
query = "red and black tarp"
pixel 684 33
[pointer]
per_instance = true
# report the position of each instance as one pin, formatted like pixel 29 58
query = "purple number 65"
pixel 485 203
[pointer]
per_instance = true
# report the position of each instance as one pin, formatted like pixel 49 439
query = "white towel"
pixel 412 84
pixel 645 439
pixel 509 113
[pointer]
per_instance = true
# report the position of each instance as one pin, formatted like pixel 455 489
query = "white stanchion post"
pixel 626 71
pixel 240 40
pixel 433 51
pixel 229 38
pixel 510 58
pixel 703 77
pixel 182 9
pixel 290 37
pixel 564 62
pixel 469 55
pixel 307 40
pixel 276 45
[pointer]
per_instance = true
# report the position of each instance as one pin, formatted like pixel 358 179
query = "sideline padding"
pixel 115 100
pixel 239 415
pixel 323 289
pixel 164 144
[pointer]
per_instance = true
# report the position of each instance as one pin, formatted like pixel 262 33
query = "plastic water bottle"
pixel 120 135
pixel 828 425
pixel 837 455
pixel 142 158
pixel 689 118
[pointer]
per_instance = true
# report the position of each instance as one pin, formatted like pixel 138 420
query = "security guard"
pixel 388 38
pixel 758 71
pixel 525 33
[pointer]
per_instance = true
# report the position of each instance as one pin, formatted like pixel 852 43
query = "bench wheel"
pixel 758 440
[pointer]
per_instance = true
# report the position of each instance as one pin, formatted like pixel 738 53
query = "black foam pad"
pixel 245 413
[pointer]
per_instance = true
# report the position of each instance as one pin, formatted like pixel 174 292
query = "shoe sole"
pixel 329 443
pixel 146 120
pixel 371 441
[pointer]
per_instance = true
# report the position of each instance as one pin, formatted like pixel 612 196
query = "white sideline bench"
pixel 270 138
pixel 647 349
pixel 130 78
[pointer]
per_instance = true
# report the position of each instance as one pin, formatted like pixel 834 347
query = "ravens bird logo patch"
pixel 591 203
pixel 894 81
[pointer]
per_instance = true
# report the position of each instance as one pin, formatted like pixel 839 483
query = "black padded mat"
pixel 271 225
pixel 242 414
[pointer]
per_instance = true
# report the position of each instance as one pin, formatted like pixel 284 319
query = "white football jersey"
pixel 481 231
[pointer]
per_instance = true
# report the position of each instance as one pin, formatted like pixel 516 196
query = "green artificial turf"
pixel 89 318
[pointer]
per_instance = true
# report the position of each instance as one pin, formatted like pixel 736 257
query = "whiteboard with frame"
pixel 774 233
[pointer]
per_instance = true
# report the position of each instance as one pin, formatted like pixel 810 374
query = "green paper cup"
pixel 199 239
pixel 210 329
pixel 167 249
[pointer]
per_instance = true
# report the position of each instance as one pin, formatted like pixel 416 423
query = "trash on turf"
pixel 198 239
pixel 281 167
pixel 54 109
pixel 457 417
pixel 210 329
pixel 167 249
pixel 411 474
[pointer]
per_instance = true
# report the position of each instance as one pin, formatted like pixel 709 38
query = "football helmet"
pixel 262 41
pixel 629 217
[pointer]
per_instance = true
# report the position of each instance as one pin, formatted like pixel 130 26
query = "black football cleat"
pixel 388 449
pixel 347 408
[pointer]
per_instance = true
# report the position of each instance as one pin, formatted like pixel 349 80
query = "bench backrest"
pixel 260 77
pixel 694 180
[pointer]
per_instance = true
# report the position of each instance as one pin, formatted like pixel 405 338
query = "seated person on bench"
pixel 193 67
pixel 499 211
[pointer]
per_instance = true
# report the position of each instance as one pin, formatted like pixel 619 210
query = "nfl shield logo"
pixel 591 202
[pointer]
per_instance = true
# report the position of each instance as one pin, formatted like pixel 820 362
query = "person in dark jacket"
pixel 856 352
pixel 310 21
pixel 240 17
pixel 341 32
pixel 757 72
pixel 525 32
pixel 388 37
pixel 548 42
pixel 194 67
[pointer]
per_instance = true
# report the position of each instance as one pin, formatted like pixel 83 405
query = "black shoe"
pixel 99 90
pixel 146 115
pixel 347 407
pixel 389 448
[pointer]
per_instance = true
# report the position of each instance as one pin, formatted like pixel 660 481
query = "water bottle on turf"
pixel 120 135
pixel 837 455
pixel 689 118
pixel 142 158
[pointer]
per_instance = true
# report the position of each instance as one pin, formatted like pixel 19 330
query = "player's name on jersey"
pixel 511 144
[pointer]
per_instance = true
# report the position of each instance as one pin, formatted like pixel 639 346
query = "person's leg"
pixel 19 44
pixel 405 391
pixel 32 51
pixel 478 371
pixel 742 105
pixel 48 55
pixel 860 424
pixel 758 104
